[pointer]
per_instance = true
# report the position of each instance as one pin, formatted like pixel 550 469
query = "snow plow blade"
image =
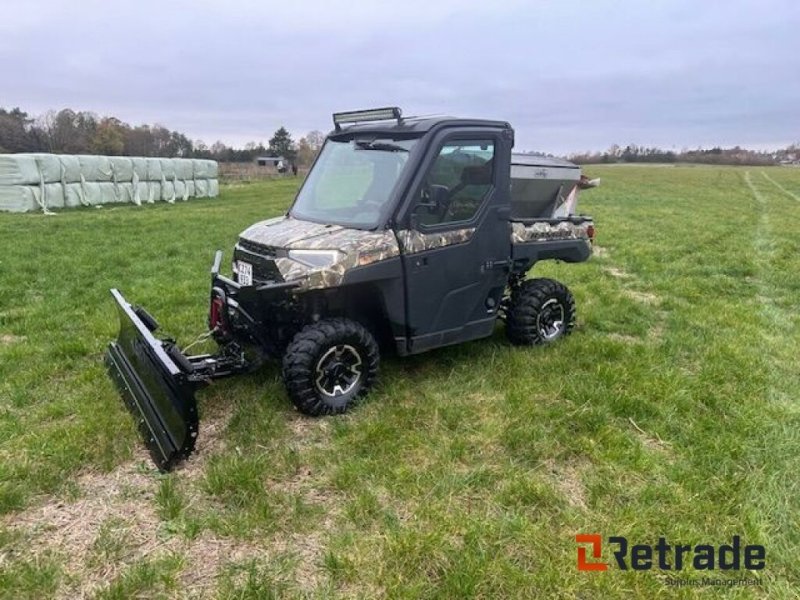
pixel 154 380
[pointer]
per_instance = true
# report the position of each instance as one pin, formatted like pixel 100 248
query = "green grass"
pixel 671 411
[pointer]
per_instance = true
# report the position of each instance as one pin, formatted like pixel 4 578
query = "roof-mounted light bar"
pixel 372 114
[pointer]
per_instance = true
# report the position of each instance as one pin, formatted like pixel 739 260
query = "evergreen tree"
pixel 281 144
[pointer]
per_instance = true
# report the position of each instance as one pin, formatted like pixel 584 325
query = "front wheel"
pixel 329 366
pixel 540 311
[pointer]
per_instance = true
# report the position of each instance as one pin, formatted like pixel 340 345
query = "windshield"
pixel 352 181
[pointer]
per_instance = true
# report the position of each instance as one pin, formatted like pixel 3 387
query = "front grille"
pixel 264 268
pixel 255 248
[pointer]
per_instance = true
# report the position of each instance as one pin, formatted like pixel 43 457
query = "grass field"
pixel 671 411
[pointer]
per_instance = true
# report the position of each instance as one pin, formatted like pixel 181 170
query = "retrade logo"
pixel 667 556
pixel 597 551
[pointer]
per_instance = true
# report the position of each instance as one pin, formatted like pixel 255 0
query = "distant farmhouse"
pixel 271 161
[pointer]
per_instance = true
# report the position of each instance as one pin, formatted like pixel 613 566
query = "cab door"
pixel 456 245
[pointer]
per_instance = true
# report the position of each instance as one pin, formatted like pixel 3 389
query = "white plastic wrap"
pixel 180 190
pixel 40 182
pixel 18 169
pixel 168 168
pixel 71 165
pixel 153 169
pixel 50 168
pixel 96 168
pixel 168 191
pixel 140 167
pixel 54 195
pixel 184 168
pixel 19 198
pixel 201 188
pixel 153 191
pixel 121 168
pixel 201 168
pixel 73 195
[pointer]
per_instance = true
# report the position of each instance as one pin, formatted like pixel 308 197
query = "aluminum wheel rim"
pixel 338 371
pixel 550 321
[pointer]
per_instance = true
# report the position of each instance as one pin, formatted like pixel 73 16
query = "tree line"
pixel 82 132
pixel 714 156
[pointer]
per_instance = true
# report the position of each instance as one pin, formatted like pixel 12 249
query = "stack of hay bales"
pixel 31 182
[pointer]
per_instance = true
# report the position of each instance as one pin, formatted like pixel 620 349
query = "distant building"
pixel 271 161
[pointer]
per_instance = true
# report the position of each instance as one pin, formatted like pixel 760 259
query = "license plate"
pixel 244 271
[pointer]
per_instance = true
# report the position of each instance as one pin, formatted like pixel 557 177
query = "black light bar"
pixel 372 114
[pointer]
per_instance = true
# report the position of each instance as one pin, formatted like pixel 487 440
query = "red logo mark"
pixel 595 540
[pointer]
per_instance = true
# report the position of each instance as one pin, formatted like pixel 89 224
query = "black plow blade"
pixel 155 385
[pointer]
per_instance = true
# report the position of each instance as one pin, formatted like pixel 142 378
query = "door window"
pixel 457 183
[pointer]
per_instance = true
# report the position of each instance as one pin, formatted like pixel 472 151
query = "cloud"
pixel 569 75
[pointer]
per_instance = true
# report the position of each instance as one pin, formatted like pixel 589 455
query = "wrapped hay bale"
pixel 141 192
pixel 54 194
pixel 168 191
pixel 18 169
pixel 97 193
pixel 180 190
pixel 19 198
pixel 212 169
pixel 153 191
pixel 50 168
pixel 92 195
pixel 109 193
pixel 73 195
pixel 122 169
pixel 71 168
pixel 154 169
pixel 95 168
pixel 124 193
pixel 184 168
pixel 168 168
pixel 40 181
pixel 139 166
pixel 200 168
pixel 201 188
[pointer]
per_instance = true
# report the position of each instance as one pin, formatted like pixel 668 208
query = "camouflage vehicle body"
pixel 421 255
pixel 522 233
pixel 354 248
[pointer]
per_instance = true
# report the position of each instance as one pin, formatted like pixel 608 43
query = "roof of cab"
pixel 415 125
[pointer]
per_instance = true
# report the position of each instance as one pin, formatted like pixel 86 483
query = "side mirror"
pixel 433 197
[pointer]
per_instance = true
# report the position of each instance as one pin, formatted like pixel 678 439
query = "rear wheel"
pixel 329 366
pixel 540 311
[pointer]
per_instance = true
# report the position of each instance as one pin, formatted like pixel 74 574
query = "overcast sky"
pixel 568 75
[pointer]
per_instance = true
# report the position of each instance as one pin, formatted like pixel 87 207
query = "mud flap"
pixel 154 380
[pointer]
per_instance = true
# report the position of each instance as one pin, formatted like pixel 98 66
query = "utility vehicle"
pixel 407 235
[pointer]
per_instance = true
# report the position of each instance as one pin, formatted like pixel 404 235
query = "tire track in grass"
pixel 764 253
pixel 776 184
pixel 775 486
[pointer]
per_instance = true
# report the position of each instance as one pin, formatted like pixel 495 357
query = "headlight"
pixel 315 258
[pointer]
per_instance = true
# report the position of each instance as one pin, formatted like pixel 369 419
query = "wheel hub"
pixel 550 322
pixel 338 371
